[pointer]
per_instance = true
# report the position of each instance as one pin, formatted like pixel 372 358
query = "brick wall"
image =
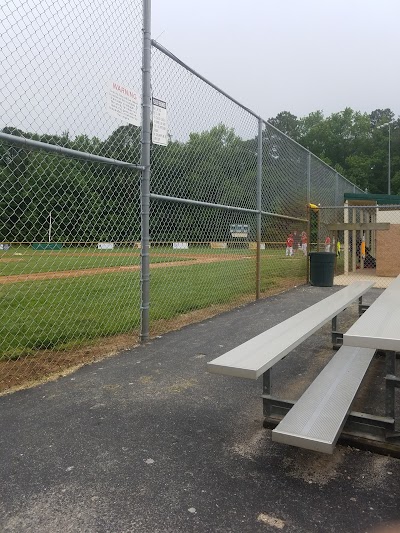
pixel 388 251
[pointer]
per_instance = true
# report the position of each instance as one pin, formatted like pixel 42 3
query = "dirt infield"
pixel 36 276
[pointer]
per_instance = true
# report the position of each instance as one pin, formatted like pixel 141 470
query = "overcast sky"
pixel 57 59
pixel 289 55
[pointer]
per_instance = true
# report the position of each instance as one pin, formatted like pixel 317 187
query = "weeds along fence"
pixel 90 205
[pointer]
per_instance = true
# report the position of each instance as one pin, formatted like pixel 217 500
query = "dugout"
pixel 373 219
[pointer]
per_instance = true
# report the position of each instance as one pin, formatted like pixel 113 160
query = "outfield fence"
pixel 91 204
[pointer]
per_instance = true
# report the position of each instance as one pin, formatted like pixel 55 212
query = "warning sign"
pixel 123 103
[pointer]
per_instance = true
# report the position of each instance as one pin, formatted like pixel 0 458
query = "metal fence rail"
pixel 89 205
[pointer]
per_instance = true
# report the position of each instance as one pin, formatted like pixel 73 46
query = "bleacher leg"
pixel 361 307
pixel 267 392
pixel 336 336
pixel 390 399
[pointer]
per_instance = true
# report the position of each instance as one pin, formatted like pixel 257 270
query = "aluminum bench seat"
pixel 254 357
pixel 379 326
pixel 317 418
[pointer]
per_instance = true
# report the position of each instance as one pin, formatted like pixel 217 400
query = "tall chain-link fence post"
pixel 308 178
pixel 319 236
pixel 308 242
pixel 259 205
pixel 145 181
pixel 308 216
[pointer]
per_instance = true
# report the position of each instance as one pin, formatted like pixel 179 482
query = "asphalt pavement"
pixel 147 441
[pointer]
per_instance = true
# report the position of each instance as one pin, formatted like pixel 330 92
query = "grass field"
pixel 24 260
pixel 59 313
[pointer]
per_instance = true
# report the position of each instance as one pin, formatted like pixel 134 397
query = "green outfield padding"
pixel 46 245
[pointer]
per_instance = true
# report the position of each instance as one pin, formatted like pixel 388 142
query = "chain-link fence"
pixel 69 180
pixel 365 239
pixel 228 192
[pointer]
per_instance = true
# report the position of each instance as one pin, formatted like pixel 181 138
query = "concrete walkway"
pixel 381 282
pixel 148 441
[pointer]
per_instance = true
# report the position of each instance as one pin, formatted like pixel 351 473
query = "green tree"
pixel 287 123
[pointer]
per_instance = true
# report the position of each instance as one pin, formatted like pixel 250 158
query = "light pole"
pixel 381 126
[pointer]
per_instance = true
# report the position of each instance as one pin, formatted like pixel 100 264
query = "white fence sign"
pixel 180 245
pixel 160 128
pixel 253 245
pixel 123 103
pixel 239 230
pixel 105 246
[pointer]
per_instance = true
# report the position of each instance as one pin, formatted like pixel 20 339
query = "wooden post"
pixel 368 232
pixel 361 237
pixel 346 239
pixel 354 243
pixel 373 234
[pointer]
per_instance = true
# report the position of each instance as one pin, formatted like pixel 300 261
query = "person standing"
pixel 327 244
pixel 338 246
pixel 363 247
pixel 296 241
pixel 289 245
pixel 304 242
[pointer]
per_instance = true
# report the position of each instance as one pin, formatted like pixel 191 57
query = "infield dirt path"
pixel 36 276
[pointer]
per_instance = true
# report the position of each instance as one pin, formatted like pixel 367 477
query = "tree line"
pixel 90 202
pixel 356 144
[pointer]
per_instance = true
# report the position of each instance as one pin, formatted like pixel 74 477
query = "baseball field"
pixel 59 299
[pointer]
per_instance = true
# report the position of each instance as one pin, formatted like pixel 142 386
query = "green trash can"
pixel 322 268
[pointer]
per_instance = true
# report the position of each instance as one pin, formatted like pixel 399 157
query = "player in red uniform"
pixel 327 244
pixel 289 245
pixel 304 242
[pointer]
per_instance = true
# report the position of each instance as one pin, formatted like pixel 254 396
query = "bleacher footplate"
pixel 317 418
